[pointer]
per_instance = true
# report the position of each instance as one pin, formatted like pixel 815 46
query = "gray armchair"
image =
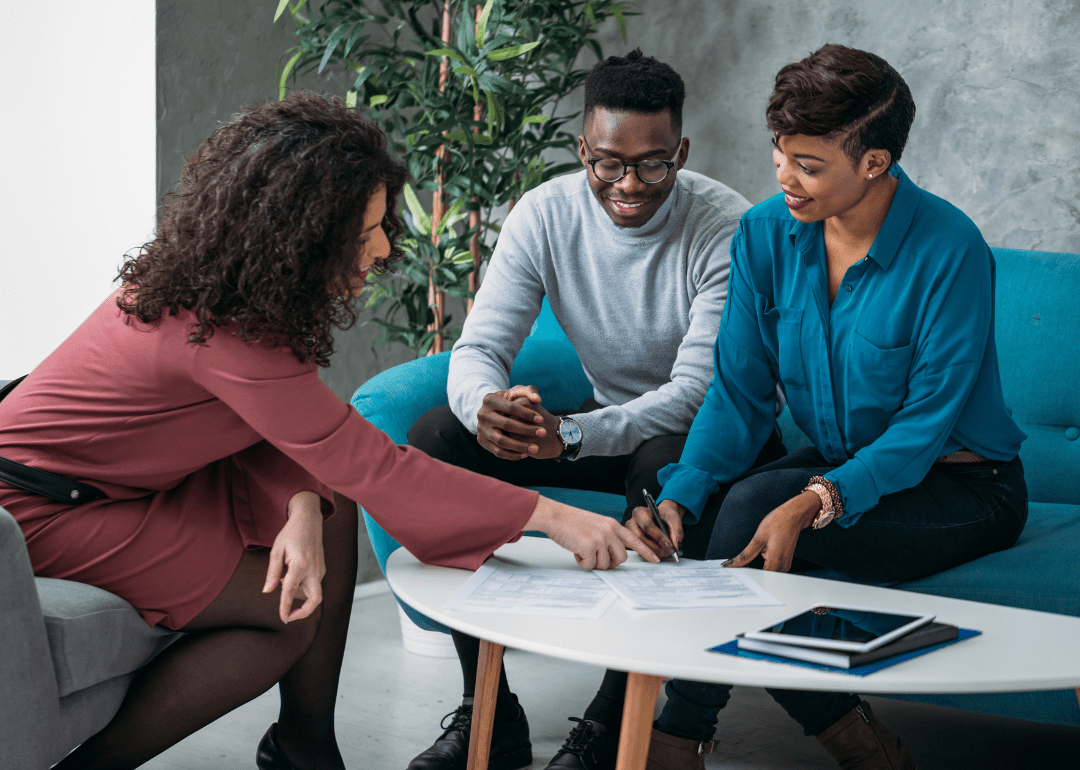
pixel 69 653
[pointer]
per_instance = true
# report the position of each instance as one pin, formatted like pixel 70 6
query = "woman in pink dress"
pixel 190 399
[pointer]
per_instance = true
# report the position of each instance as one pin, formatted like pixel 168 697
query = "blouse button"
pixel 1072 433
pixel 847 287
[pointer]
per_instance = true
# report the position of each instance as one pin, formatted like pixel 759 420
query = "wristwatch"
pixel 570 435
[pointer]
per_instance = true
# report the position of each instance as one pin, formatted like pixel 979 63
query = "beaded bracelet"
pixel 831 505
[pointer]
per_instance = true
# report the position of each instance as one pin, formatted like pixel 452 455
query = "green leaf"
pixel 617 9
pixel 491 81
pixel 449 215
pixel 465 70
pixel 481 24
pixel 449 52
pixel 455 136
pixel 509 53
pixel 363 73
pixel 285 72
pixel 280 9
pixel 461 258
pixel 331 44
pixel 350 99
pixel 375 295
pixel 534 119
pixel 495 111
pixel 590 14
pixel 378 99
pixel 420 217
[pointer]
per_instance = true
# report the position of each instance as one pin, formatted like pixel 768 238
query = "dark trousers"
pixel 441 435
pixel 958 513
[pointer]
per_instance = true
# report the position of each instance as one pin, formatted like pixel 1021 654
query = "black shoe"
pixel 269 755
pixel 510 746
pixel 588 747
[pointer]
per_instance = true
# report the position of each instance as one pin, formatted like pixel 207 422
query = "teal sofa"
pixel 1038 337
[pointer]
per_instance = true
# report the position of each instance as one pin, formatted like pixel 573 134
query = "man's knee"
pixel 654 454
pixel 440 434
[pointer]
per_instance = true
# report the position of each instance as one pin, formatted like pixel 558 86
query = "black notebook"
pixel 923 636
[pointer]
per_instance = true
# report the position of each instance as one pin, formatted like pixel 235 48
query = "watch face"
pixel 570 432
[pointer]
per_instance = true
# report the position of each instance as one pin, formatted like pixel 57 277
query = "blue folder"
pixel 731 648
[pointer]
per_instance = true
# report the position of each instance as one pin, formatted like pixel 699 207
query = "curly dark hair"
pixel 263 233
pixel 840 91
pixel 635 82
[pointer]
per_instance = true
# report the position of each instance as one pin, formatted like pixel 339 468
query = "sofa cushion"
pixel 1041 572
pixel 94 635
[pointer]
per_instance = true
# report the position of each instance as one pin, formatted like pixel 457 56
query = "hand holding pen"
pixel 662 526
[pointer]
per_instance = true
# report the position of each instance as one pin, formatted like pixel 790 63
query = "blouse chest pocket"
pixel 877 378
pixel 782 327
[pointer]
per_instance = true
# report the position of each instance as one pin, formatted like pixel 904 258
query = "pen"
pixel 660 522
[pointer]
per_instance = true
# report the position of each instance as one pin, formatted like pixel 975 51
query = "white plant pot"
pixel 432 644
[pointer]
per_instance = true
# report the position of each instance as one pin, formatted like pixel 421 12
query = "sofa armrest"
pixel 393 400
pixel 27 682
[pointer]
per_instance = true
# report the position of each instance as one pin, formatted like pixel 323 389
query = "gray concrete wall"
pixel 995 84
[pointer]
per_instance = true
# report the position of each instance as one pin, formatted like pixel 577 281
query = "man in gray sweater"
pixel 632 255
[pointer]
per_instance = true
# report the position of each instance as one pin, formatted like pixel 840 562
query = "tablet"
pixel 854 629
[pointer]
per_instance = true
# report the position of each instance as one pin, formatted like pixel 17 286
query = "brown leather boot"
pixel 667 752
pixel 858 741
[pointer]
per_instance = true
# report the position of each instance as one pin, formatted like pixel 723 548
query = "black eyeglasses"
pixel 609 170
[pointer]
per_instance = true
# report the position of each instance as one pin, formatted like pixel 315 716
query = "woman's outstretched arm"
pixel 597 542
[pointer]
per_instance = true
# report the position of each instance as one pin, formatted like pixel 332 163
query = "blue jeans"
pixel 958 513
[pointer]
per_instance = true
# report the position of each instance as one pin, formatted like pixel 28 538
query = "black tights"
pixel 236 650
pixel 468 650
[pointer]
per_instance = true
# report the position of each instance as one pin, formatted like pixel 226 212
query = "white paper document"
pixel 509 589
pixel 687 585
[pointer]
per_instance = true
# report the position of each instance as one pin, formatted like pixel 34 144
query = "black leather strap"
pixel 10 387
pixel 50 485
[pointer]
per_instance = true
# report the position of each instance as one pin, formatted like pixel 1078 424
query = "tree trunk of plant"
pixel 436 298
pixel 474 216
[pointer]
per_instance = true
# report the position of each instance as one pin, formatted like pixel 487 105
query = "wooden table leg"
pixel 488 668
pixel 641 693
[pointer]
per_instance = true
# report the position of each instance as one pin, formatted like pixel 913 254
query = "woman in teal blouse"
pixel 871 303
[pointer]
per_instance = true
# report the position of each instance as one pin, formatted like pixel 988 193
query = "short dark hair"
pixel 841 91
pixel 262 235
pixel 635 82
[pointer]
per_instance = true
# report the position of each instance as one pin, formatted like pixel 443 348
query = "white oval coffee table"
pixel 1019 650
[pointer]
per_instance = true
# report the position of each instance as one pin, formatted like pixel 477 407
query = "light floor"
pixel 391 702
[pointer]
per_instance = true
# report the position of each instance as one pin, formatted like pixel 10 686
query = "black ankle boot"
pixel 510 746
pixel 269 755
pixel 588 747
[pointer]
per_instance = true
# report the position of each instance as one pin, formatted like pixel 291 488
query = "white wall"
pixel 77 169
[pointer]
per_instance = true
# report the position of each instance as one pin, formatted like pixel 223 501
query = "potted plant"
pixel 468 92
